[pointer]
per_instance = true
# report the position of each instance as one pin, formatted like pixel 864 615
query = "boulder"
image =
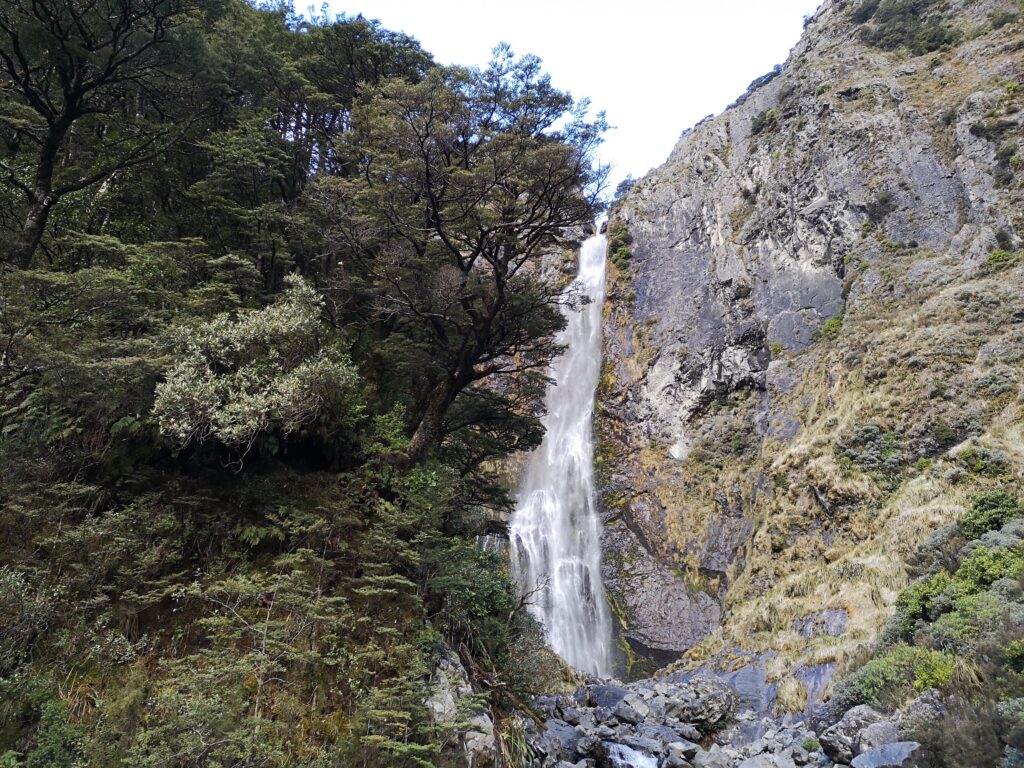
pixel 712 758
pixel 587 744
pixel 841 742
pixel 878 735
pixel 558 740
pixel 625 713
pixel 606 696
pixel 637 704
pixel 655 732
pixel 683 748
pixel 686 731
pixel 767 761
pixel 900 754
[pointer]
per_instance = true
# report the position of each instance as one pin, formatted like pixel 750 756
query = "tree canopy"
pixel 277 302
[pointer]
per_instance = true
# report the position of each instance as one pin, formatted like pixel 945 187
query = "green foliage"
pixel 831 328
pixel 920 602
pixel 811 745
pixel 986 566
pixel 990 511
pixel 619 242
pixel 887 681
pixel 873 448
pixel 777 350
pixel 239 376
pixel 765 120
pixel 957 630
pixel 911 24
pixel 1001 259
pixel 1002 17
pixel 256 280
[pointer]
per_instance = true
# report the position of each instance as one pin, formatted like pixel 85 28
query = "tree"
pixel 467 180
pixel 100 67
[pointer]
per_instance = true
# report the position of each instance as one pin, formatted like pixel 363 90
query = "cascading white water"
pixel 621 756
pixel 556 554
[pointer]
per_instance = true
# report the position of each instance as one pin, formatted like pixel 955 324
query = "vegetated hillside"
pixel 815 343
pixel 269 319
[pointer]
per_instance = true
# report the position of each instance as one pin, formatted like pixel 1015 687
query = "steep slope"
pixel 814 341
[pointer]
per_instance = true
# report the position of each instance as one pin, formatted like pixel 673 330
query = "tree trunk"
pixel 31 232
pixel 42 198
pixel 428 432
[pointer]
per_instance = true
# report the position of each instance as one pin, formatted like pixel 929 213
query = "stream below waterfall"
pixel 554 533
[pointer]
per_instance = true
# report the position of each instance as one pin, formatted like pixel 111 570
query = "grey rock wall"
pixel 742 245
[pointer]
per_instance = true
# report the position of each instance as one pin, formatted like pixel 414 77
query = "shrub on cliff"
pixel 892 24
pixel 990 511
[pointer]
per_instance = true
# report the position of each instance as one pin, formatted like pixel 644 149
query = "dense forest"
pixel 272 315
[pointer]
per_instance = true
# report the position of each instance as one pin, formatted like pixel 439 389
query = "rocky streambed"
pixel 703 723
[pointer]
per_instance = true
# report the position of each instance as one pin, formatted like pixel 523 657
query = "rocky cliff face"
pixel 815 342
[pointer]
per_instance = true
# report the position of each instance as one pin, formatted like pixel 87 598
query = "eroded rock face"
pixel 804 247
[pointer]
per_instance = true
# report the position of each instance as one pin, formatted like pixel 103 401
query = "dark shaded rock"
pixel 627 714
pixel 549 706
pixel 605 696
pixel 587 744
pixel 660 733
pixel 559 739
pixel 571 715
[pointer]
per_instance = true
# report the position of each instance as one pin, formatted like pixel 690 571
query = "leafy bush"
pixel 903 24
pixel 873 448
pixel 988 512
pixel 832 327
pixel 811 745
pixel 919 602
pixel 889 680
pixel 765 120
pixel 983 567
pixel 619 242
pixel 1002 17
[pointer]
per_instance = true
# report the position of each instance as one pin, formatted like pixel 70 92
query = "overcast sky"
pixel 655 67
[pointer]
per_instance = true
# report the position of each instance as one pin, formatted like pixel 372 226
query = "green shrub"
pixel 765 120
pixel 1000 258
pixel 889 680
pixel 872 448
pixel 993 130
pixel 903 24
pixel 777 349
pixel 619 241
pixel 811 745
pixel 1013 656
pixel 988 512
pixel 1001 18
pixel 832 327
pixel 918 602
pixel 985 566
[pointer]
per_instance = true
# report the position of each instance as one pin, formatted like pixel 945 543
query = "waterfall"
pixel 622 756
pixel 555 542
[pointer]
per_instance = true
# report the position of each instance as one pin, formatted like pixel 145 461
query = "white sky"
pixel 656 68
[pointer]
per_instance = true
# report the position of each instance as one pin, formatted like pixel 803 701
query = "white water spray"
pixel 556 551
